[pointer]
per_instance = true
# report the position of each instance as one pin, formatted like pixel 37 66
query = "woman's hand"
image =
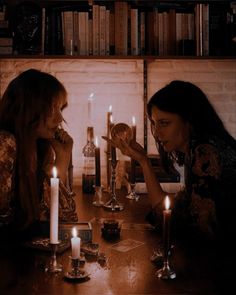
pixel 62 145
pixel 131 149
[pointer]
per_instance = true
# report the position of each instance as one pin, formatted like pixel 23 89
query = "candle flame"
pixel 74 232
pixel 91 96
pixel 133 121
pixel 110 108
pixel 96 141
pixel 167 202
pixel 54 172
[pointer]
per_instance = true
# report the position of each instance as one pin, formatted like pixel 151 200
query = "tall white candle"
pixel 90 109
pixel 75 244
pixel 54 207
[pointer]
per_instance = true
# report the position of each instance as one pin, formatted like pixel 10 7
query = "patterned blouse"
pixel 208 202
pixel 67 206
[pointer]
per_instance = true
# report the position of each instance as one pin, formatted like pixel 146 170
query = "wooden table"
pixel 129 272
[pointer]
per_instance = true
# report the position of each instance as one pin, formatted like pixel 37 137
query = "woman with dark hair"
pixel 32 141
pixel 187 130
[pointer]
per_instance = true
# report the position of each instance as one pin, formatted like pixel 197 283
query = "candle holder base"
pixel 113 205
pixel 132 195
pixel 166 273
pixel 54 266
pixel 98 197
pixel 75 272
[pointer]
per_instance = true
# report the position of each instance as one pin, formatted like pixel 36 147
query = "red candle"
pixel 111 124
pixel 113 154
pixel 112 148
pixel 109 114
pixel 133 128
pixel 166 226
pixel 133 164
pixel 97 164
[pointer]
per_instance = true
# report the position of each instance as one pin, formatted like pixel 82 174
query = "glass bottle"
pixel 88 176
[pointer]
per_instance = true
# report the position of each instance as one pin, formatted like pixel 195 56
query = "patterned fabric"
pixel 208 202
pixel 67 206
pixel 7 167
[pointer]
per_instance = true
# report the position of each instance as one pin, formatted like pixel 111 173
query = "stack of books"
pixel 6 40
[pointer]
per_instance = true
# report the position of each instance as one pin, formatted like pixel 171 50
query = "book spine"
pixel 96 36
pixel 107 28
pixel 121 28
pixel 102 29
pixel 134 31
pixel 69 32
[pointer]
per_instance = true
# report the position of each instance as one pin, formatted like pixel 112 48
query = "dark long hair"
pixel 27 100
pixel 192 105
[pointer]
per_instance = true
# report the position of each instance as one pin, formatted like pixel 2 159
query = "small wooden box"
pixel 84 231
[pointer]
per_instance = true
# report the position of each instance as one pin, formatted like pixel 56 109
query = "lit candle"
pixel 111 125
pixel 75 245
pixel 166 226
pixel 109 114
pixel 133 164
pixel 134 128
pixel 113 149
pixel 113 154
pixel 108 151
pixel 54 207
pixel 90 109
pixel 97 164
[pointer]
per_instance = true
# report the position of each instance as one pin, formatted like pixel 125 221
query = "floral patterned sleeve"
pixel 7 166
pixel 67 205
pixel 206 173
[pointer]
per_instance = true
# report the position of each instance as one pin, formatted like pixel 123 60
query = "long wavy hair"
pixel 27 100
pixel 192 105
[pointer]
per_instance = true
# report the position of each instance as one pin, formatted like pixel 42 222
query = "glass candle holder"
pixel 98 202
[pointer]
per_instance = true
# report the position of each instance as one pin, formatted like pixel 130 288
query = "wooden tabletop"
pixel 129 272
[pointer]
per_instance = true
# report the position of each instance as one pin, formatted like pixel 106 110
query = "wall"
pixel 120 83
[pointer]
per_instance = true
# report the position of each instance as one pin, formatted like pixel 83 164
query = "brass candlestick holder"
pixel 113 204
pixel 166 272
pixel 75 272
pixel 74 267
pixel 53 266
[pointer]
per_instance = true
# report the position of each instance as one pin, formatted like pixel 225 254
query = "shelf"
pixel 116 57
pixel 132 29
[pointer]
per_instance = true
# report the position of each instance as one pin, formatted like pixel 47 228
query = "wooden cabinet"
pixel 118 28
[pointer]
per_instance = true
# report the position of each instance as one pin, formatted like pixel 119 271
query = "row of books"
pixel 127 30
pixel 124 29
pixel 6 40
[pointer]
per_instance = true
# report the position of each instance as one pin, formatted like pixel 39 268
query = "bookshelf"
pixel 104 29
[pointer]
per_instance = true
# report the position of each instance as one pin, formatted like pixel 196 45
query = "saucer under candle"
pixel 75 272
